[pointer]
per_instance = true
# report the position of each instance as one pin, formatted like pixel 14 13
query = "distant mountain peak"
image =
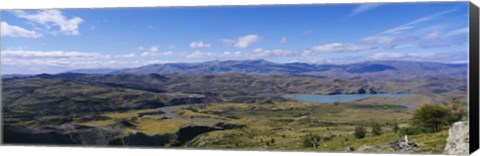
pixel 395 69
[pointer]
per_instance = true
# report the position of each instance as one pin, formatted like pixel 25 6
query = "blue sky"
pixel 52 41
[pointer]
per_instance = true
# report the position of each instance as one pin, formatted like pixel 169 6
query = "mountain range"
pixel 373 69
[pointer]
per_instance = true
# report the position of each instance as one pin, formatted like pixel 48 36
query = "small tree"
pixel 376 129
pixel 360 132
pixel 311 141
pixel 432 117
pixel 396 127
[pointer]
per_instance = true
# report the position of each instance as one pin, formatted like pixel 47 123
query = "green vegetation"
pixel 148 124
pixel 396 127
pixel 432 117
pixel 311 141
pixel 376 129
pixel 360 132
pixel 246 108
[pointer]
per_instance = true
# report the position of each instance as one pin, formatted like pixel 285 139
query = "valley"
pixel 232 110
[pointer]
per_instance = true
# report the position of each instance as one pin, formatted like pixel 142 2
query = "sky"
pixel 53 41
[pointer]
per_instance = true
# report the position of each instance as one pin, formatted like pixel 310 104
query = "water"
pixel 339 97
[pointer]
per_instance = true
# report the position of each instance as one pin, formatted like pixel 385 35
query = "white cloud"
pixel 242 41
pixel 283 40
pixel 257 53
pixel 362 8
pixel 166 53
pixel 341 47
pixel 199 44
pixel 245 41
pixel 387 55
pixel 458 31
pixel 153 49
pixel 414 23
pixel 7 30
pixel 53 18
pixel 51 54
pixel 413 56
pixel 34 62
pixel 131 55
pixel 197 54
pixel 433 35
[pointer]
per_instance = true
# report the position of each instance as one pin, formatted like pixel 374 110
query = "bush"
pixel 396 127
pixel 311 141
pixel 432 117
pixel 360 132
pixel 412 130
pixel 376 129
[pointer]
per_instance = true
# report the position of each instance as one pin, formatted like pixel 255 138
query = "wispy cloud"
pixel 166 53
pixel 361 9
pixel 341 47
pixel 7 30
pixel 458 31
pixel 445 57
pixel 283 40
pixel 34 62
pixel 154 51
pixel 257 53
pixel 52 18
pixel 199 44
pixel 152 27
pixel 131 55
pixel 22 54
pixel 242 41
pixel 413 24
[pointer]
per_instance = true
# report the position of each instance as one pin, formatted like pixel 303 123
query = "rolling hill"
pixel 372 69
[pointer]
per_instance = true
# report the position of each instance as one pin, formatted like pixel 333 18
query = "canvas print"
pixel 365 77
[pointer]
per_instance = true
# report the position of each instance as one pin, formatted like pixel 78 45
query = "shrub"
pixel 412 130
pixel 396 127
pixel 376 129
pixel 432 117
pixel 311 141
pixel 360 132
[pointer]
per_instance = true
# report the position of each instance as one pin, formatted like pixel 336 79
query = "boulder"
pixel 458 139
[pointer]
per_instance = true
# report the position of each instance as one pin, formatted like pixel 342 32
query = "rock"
pixel 349 149
pixel 458 139
pixel 403 146
pixel 400 146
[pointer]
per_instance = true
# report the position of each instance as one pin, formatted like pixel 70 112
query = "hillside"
pixel 372 69
pixel 69 92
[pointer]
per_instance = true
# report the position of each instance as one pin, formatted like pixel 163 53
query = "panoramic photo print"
pixel 370 78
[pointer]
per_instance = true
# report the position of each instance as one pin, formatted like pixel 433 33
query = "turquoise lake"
pixel 339 97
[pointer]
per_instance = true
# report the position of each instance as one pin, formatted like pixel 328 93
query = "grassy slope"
pixel 288 123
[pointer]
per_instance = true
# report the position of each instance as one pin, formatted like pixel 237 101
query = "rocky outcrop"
pixel 400 146
pixel 458 139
